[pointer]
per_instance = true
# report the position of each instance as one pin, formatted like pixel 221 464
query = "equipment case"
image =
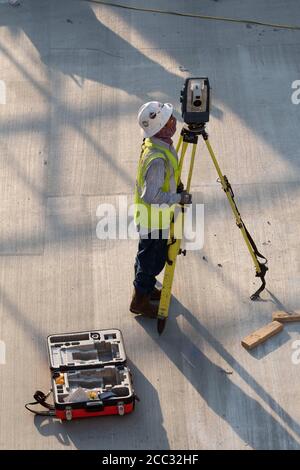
pixel 89 375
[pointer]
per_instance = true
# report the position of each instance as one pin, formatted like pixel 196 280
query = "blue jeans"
pixel 149 262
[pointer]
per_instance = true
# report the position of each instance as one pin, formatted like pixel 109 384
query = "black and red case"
pixel 89 374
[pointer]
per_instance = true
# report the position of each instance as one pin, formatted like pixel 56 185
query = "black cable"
pixel 195 15
pixel 41 398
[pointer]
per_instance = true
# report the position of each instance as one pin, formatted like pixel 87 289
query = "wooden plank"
pixel 283 317
pixel 261 335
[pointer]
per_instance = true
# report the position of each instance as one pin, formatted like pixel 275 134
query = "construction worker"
pixel 156 195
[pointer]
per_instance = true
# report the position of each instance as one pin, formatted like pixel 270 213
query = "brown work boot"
pixel 140 304
pixel 155 294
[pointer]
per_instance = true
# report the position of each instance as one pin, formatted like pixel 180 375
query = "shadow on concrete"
pixel 23 321
pixel 71 39
pixel 278 303
pixel 113 48
pixel 270 346
pixel 245 415
pixel 101 56
pixel 143 429
pixel 219 51
pixel 84 48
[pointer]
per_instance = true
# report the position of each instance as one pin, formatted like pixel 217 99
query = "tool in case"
pixel 89 376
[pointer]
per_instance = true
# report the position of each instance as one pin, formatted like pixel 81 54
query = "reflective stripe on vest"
pixel 153 217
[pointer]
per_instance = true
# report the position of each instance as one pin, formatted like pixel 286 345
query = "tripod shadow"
pixel 143 429
pixel 283 337
pixel 271 345
pixel 279 304
pixel 219 392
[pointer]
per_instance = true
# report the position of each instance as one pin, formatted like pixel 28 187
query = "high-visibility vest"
pixel 154 216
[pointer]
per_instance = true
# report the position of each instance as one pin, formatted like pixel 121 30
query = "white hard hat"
pixel 153 116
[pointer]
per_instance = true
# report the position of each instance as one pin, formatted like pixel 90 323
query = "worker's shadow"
pixel 142 429
pixel 221 394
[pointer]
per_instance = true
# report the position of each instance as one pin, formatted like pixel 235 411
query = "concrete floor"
pixel 75 74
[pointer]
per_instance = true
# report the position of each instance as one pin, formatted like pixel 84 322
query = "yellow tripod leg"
pixel 189 180
pixel 237 215
pixel 260 267
pixel 179 144
pixel 176 229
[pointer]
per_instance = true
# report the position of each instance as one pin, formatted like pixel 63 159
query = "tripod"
pixel 189 135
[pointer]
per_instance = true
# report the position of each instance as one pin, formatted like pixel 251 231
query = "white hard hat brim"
pixel 169 108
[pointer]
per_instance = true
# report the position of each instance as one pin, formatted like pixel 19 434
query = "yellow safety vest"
pixel 154 216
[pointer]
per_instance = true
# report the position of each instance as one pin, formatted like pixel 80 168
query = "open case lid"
pixel 86 349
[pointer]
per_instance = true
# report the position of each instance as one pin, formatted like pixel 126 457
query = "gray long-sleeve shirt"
pixel 154 179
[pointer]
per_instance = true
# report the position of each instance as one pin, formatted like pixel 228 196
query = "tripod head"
pixel 197 129
pixel 191 132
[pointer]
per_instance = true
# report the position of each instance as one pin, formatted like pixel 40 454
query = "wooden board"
pixel 261 335
pixel 282 316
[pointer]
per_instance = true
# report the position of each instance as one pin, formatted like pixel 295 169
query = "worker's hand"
pixel 180 187
pixel 186 198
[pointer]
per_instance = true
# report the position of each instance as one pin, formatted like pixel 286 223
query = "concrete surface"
pixel 75 74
